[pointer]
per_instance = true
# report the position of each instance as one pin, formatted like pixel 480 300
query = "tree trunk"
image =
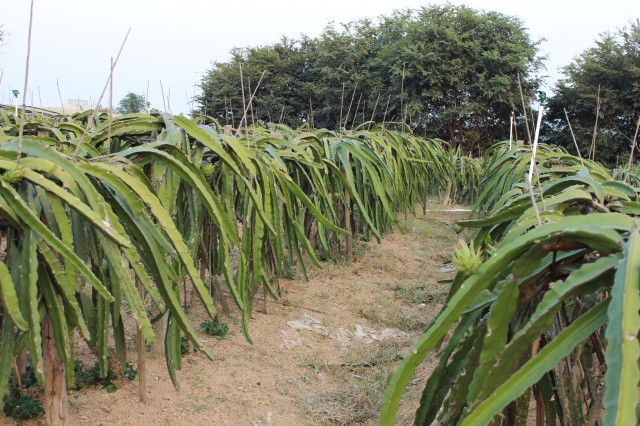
pixel 56 406
pixel 452 132
pixel 159 329
pixel 461 136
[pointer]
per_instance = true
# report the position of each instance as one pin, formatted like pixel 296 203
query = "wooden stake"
pixel 375 106
pixel 60 96
pixel 592 152
pixel 104 90
pixel 253 121
pixel 142 368
pixel 633 148
pixel 164 102
pixel 573 136
pixel 347 220
pixel 40 100
pixel 386 109
pixel 355 114
pixel 56 406
pixel 524 109
pixel 244 105
pixel 341 107
pixel 404 117
pixel 110 113
pixel 26 86
pixel 353 95
pixel 146 99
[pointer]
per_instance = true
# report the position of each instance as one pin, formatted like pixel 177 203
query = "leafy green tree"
pixel 131 103
pixel 611 69
pixel 447 71
pixel 274 73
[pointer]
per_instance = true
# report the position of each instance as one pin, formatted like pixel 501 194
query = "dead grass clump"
pixel 396 315
pixel 430 228
pixel 363 379
pixel 421 293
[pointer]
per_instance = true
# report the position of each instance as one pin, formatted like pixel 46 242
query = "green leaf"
pixel 28 217
pixel 623 350
pixel 531 372
pixel 9 298
pixel 490 271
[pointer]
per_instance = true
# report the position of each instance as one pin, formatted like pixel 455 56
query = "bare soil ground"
pixel 324 356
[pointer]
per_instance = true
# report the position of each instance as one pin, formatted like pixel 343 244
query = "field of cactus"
pixel 104 217
pixel 99 212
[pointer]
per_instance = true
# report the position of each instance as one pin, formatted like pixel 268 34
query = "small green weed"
pixel 215 328
pixel 22 407
pixel 24 403
pixel 91 377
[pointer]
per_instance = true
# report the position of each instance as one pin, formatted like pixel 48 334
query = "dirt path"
pixel 326 357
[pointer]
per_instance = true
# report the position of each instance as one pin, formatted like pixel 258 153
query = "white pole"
pixel 510 130
pixel 535 141
pixel 533 162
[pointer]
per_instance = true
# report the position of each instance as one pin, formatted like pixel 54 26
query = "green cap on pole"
pixel 542 97
pixel 15 93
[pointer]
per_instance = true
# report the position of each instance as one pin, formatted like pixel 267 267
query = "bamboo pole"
pixel 524 109
pixel 633 148
pixel 26 86
pixel 353 95
pixel 142 367
pixel 592 152
pixel 347 219
pixel 110 112
pixel 164 102
pixel 60 96
pixel 573 136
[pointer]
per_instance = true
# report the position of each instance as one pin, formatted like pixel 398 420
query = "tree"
pixel 456 68
pixel 611 71
pixel 447 71
pixel 281 95
pixel 132 103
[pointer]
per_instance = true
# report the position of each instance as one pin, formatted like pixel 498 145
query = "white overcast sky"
pixel 175 41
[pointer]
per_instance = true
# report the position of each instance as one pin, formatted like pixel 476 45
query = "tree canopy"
pixel 131 103
pixel 446 71
pixel 610 71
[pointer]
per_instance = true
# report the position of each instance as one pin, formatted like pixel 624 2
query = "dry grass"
pixel 362 381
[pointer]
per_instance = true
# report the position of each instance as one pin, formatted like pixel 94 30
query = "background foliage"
pixel 612 67
pixel 447 71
